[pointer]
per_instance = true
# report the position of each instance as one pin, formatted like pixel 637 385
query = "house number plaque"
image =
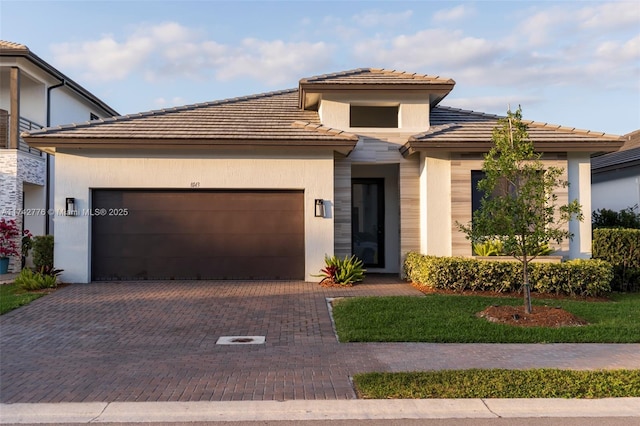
pixel 195 184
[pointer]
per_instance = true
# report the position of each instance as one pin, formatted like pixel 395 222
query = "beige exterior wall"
pixel 435 204
pixel 78 174
pixel 413 115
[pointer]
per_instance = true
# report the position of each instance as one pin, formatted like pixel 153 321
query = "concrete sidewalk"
pixel 305 410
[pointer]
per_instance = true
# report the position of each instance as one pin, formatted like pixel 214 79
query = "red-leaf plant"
pixel 8 238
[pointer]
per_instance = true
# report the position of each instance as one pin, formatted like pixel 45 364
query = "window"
pixel 502 188
pixel 373 116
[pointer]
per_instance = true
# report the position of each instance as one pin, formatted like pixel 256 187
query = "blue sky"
pixel 571 63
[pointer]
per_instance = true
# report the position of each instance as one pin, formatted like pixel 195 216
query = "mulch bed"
pixel 540 316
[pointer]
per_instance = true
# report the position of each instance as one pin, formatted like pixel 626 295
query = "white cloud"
pixel 274 62
pixel 620 51
pixel 103 59
pixel 170 50
pixel 454 14
pixel 543 27
pixel 435 49
pixel 544 48
pixel 608 16
pixel 378 19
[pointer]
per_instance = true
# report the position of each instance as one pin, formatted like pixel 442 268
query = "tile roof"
pixel 264 117
pixel 276 119
pixel 376 76
pixel 627 156
pixel 372 79
pixel 9 45
pixel 464 130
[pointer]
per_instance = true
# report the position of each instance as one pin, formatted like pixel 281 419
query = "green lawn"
pixel 495 383
pixel 451 319
pixel 12 297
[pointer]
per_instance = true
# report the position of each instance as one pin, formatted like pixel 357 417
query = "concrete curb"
pixel 138 412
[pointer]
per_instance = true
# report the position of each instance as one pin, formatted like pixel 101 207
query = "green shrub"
pixel 576 277
pixel 342 271
pixel 496 248
pixel 583 277
pixel 488 248
pixel 43 252
pixel 625 218
pixel 621 248
pixel 29 280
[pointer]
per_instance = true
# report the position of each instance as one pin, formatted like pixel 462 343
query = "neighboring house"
pixel 33 94
pixel 615 177
pixel 264 186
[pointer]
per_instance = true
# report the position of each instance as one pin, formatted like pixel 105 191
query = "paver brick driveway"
pixel 156 341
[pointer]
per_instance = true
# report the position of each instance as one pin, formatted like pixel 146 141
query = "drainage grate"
pixel 240 340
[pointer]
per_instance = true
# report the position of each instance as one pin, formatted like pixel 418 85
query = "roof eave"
pixel 49 144
pixel 414 146
pixel 442 89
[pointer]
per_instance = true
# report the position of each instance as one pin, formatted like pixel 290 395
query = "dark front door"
pixel 367 221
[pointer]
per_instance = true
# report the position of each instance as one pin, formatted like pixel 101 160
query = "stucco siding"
pixel 78 174
pixel 435 204
pixel 616 194
pixel 413 110
pixel 578 171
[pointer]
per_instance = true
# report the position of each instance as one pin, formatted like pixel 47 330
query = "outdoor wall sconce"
pixel 319 210
pixel 70 209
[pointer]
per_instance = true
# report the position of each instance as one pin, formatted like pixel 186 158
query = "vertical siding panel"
pixel 410 205
pixel 342 205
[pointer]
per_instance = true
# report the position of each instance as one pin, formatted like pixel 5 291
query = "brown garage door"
pixel 142 234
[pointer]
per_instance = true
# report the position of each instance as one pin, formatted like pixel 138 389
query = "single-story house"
pixel 364 161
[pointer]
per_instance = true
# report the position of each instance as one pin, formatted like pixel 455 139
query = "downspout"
pixel 48 162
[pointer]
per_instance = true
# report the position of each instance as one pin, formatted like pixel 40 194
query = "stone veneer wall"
pixel 17 167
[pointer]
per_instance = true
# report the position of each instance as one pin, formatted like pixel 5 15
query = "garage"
pixel 197 234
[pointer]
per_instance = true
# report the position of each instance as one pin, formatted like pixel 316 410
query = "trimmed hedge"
pixel 590 277
pixel 621 248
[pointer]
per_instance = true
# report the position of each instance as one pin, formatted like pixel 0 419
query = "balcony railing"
pixel 27 125
pixel 24 125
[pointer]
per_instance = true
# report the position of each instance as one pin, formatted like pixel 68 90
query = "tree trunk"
pixel 527 291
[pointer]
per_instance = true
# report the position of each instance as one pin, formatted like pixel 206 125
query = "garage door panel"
pixel 199 235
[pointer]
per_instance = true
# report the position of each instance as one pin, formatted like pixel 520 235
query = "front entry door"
pixel 367 221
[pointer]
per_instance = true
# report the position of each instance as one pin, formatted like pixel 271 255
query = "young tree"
pixel 519 207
